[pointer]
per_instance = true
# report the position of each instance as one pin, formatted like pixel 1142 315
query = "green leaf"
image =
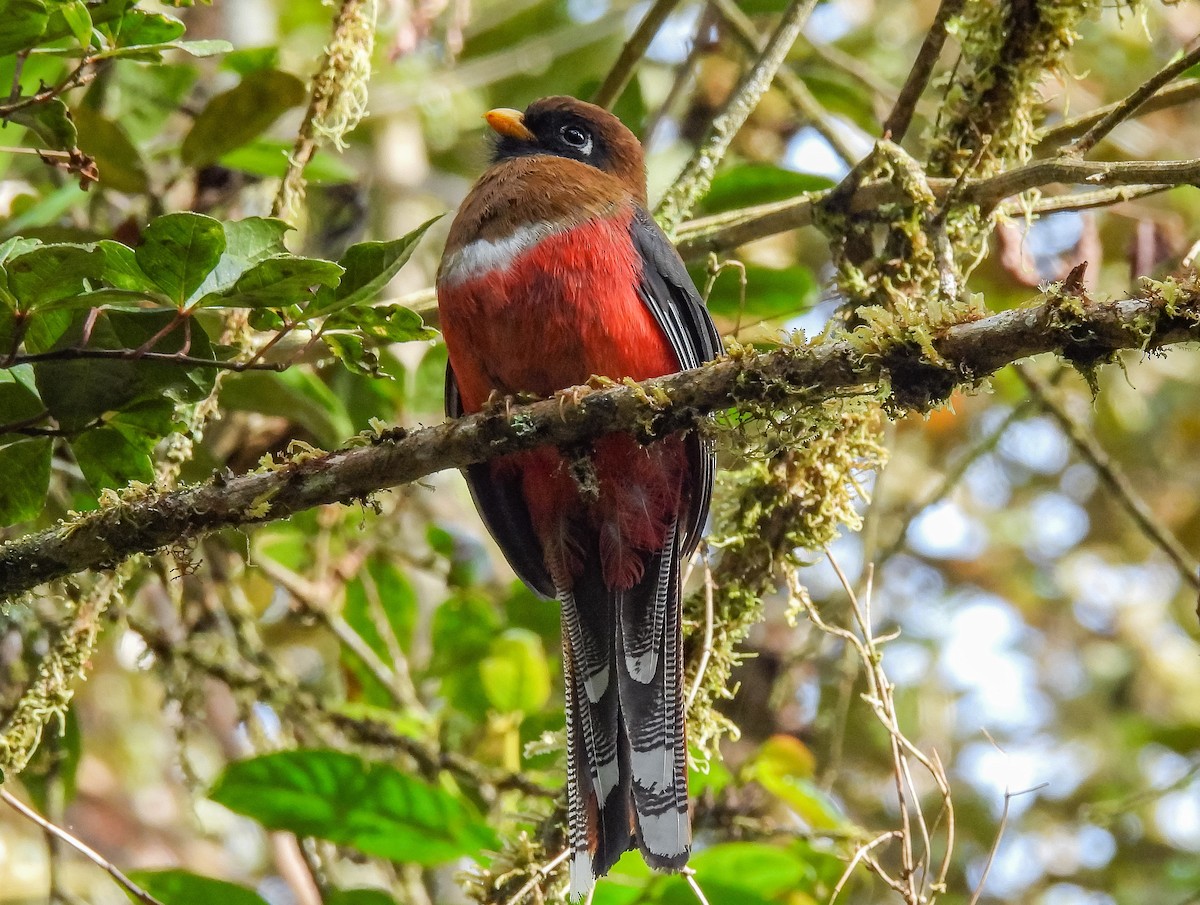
pixel 460 636
pixel 19 399
pixel 121 268
pixel 756 867
pixel 139 26
pixel 238 115
pixel 268 157
pixel 118 159
pixel 49 121
pixel 387 323
pixel 247 60
pixel 275 282
pixel 769 293
pixel 117 453
pixel 247 242
pixel 359 897
pixel 784 767
pixel 152 53
pixel 754 183
pixel 296 394
pixel 516 677
pixel 22 498
pixel 370 266
pixel 178 251
pixel 143 98
pixel 383 593
pixel 372 807
pixel 352 352
pixel 24 21
pixel 78 391
pixel 180 887
pixel 79 20
pixel 51 272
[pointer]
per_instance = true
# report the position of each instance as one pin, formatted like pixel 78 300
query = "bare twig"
pixel 792 85
pixel 618 77
pixel 706 645
pixel 697 175
pixel 1182 92
pixel 174 358
pixel 690 876
pixel 896 125
pixel 1130 105
pixel 1114 478
pixel 86 850
pixel 539 874
pixel 729 230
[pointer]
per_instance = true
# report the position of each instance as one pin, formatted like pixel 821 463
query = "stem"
pixel 696 177
pixel 622 71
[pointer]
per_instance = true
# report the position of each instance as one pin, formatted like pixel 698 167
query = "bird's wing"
pixel 669 294
pixel 502 506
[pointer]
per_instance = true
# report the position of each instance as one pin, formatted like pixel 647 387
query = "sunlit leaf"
pixel 178 251
pixel 768 294
pixel 180 887
pixel 24 21
pixel 516 677
pixel 277 281
pixel 372 807
pixel 370 266
pixel 753 183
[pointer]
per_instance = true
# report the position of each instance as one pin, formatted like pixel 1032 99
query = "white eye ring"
pixel 577 138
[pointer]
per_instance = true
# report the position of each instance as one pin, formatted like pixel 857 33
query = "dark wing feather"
pixel 502 507
pixel 669 294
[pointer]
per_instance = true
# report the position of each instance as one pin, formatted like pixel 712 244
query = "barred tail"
pixel 626 745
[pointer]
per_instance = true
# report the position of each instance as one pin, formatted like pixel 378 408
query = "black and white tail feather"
pixel 626 744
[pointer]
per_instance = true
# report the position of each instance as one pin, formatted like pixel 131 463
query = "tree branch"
pixel 1133 102
pixel 1081 330
pixel 722 232
pixel 896 125
pixel 697 175
pixel 622 71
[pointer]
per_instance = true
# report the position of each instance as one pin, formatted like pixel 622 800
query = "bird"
pixel 554 273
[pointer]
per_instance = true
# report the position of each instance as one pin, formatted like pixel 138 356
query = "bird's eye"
pixel 577 138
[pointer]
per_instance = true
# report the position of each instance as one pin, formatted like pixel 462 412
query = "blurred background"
pixel 1046 643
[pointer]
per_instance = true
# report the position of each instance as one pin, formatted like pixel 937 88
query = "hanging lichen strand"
pixel 791 494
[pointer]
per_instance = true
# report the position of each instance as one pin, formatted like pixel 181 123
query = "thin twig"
pixel 896 125
pixel 539 873
pixel 689 874
pixel 706 646
pixel 1129 106
pixel 174 358
pixel 697 175
pixel 1182 92
pixel 862 851
pixel 618 77
pixel 791 84
pixel 1111 474
pixel 951 479
pixel 86 850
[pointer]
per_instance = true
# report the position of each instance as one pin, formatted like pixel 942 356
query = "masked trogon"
pixel 555 272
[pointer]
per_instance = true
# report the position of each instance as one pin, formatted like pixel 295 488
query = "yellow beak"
pixel 509 123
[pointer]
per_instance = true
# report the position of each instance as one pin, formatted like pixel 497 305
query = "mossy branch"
pixel 1078 329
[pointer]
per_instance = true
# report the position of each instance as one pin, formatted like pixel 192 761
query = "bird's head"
pixel 566 127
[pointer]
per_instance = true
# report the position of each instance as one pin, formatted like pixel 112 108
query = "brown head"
pixel 566 127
